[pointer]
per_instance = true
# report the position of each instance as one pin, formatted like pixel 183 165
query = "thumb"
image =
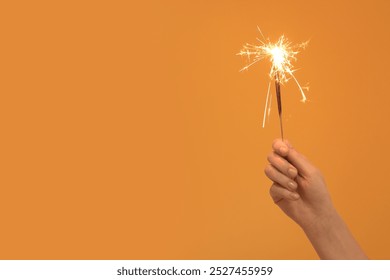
pixel 300 162
pixel 286 150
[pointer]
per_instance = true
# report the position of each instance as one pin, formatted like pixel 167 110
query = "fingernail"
pixel 294 196
pixel 292 185
pixel 292 172
pixel 283 149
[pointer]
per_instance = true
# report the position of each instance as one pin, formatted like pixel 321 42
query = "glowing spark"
pixel 280 54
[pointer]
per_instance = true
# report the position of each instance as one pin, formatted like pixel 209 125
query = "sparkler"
pixel 280 54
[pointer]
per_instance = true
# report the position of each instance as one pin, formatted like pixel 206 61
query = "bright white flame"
pixel 280 54
pixel 278 57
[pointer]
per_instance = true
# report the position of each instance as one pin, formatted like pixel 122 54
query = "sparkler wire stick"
pixel 279 98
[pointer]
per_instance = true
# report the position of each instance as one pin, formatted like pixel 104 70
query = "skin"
pixel 299 189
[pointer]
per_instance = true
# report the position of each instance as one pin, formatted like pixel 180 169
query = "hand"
pixel 298 187
pixel 300 191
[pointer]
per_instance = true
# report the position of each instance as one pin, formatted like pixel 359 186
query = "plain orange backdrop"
pixel 127 131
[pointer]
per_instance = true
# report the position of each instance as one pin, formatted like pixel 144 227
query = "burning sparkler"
pixel 280 55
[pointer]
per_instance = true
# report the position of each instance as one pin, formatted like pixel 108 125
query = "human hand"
pixel 298 187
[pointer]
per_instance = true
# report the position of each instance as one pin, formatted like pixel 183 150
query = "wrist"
pixel 322 223
pixel 332 239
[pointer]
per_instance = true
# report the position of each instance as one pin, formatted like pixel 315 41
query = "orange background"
pixel 127 131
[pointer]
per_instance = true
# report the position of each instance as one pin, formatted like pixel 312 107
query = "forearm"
pixel 332 239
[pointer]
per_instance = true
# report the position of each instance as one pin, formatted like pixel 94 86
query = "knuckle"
pixel 272 191
pixel 270 157
pixel 268 170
